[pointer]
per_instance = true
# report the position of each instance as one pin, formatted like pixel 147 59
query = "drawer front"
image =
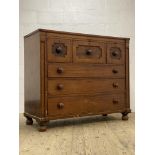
pixel 90 52
pixel 87 70
pixel 116 53
pixel 66 106
pixel 59 50
pixel 58 86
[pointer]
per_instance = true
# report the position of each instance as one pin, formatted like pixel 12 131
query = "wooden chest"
pixel 71 75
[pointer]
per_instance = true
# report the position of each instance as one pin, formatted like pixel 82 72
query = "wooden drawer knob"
pixel 60 105
pixel 60 70
pixel 60 86
pixel 115 85
pixel 58 50
pixel 115 101
pixel 114 53
pixel 115 71
pixel 89 52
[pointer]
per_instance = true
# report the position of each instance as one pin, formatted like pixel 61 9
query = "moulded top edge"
pixel 73 33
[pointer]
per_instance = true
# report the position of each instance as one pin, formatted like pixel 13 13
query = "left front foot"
pixel 29 120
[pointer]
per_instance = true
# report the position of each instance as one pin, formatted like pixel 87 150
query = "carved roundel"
pixel 59 49
pixel 115 52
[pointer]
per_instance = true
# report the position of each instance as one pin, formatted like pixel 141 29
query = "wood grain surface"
pixel 84 105
pixel 81 86
pixel 85 70
pixel 72 65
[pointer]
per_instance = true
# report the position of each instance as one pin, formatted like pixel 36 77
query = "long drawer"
pixel 62 86
pixel 87 70
pixel 79 105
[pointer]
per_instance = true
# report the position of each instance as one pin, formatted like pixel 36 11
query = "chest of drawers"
pixel 72 75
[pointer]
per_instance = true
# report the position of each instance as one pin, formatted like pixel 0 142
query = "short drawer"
pixel 59 50
pixel 87 70
pixel 115 53
pixel 62 86
pixel 80 105
pixel 88 51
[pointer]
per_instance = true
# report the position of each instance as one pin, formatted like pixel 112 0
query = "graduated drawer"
pixel 62 86
pixel 87 70
pixel 79 105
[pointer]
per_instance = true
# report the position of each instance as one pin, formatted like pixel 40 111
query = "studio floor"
pixel 95 135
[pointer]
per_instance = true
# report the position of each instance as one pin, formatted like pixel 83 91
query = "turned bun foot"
pixel 42 126
pixel 29 120
pixel 125 116
pixel 105 115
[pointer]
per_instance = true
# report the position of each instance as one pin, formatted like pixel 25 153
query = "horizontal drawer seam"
pixel 86 64
pixel 88 94
pixel 108 78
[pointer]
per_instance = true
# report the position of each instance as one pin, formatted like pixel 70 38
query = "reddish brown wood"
pixel 85 104
pixel 72 74
pixel 116 53
pixel 88 52
pixel 85 70
pixel 59 50
pixel 68 86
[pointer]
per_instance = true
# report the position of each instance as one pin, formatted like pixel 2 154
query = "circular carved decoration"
pixel 59 49
pixel 115 52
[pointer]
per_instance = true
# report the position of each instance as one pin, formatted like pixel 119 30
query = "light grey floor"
pixel 95 135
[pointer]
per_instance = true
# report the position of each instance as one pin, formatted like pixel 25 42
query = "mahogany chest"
pixel 72 75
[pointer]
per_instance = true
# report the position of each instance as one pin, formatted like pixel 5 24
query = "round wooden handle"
pixel 60 86
pixel 58 50
pixel 115 101
pixel 89 52
pixel 60 70
pixel 115 71
pixel 60 105
pixel 115 85
pixel 114 53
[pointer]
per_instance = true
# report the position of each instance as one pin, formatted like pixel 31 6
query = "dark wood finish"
pixel 86 70
pixel 42 125
pixel 89 52
pixel 68 86
pixel 29 120
pixel 125 116
pixel 104 115
pixel 78 105
pixel 115 53
pixel 32 74
pixel 72 74
pixel 59 50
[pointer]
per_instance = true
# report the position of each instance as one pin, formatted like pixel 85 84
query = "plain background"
pixel 102 17
pixel 144 79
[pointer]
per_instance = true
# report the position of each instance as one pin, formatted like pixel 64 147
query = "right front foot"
pixel 42 126
pixel 104 115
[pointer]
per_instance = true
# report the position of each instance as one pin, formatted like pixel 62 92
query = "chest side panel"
pixel 32 74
